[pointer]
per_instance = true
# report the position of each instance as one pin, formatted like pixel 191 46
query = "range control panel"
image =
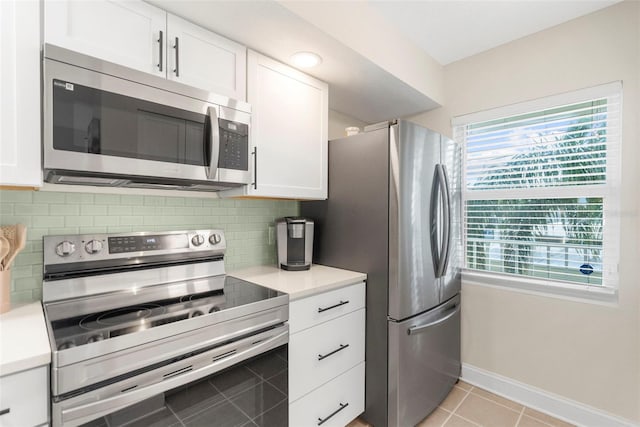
pixel 96 247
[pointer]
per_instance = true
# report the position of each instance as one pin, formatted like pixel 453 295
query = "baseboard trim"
pixel 541 400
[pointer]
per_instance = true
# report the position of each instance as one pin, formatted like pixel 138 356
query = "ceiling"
pixel 382 59
pixel 454 29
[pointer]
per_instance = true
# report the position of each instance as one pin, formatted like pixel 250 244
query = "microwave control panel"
pixel 234 145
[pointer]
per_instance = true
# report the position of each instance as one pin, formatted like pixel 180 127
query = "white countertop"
pixel 300 284
pixel 24 343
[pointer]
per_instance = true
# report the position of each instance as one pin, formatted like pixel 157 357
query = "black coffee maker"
pixel 295 243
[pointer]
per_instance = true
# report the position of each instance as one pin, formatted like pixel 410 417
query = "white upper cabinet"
pixel 20 93
pixel 289 130
pixel 129 33
pixel 203 59
pixel 137 35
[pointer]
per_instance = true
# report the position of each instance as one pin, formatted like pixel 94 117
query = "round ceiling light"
pixel 306 59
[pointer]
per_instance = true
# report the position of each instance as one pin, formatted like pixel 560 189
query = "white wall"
pixel 338 122
pixel 585 352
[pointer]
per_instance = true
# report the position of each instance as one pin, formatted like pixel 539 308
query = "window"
pixel 540 189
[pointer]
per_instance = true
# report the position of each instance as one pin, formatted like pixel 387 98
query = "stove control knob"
pixel 197 240
pixel 214 239
pixel 65 248
pixel 93 246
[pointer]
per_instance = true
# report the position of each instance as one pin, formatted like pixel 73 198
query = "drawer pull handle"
pixel 342 347
pixel 324 420
pixel 5 411
pixel 320 310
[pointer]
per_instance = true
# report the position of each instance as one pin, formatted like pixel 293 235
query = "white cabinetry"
pixel 289 131
pixel 326 357
pixel 20 93
pixel 129 33
pixel 137 35
pixel 24 398
pixel 203 59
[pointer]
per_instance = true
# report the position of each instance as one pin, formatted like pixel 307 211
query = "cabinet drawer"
pixel 25 396
pixel 307 312
pixel 319 354
pixel 345 391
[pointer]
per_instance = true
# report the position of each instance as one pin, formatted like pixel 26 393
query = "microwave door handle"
pixel 214 143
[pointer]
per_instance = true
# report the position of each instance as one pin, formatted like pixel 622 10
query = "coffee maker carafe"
pixel 295 243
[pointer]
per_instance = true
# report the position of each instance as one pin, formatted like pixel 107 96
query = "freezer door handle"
pixel 416 329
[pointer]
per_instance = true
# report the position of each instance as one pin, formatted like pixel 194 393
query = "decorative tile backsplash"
pixel 245 222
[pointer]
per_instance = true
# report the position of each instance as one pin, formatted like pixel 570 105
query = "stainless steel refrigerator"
pixel 393 212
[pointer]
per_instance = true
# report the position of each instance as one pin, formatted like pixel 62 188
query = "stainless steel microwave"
pixel 108 125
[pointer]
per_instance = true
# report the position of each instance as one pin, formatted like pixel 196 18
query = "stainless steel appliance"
pixel 109 125
pixel 147 327
pixel 294 239
pixel 394 213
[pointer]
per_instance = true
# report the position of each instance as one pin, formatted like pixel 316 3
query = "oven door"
pixel 235 384
pixel 98 125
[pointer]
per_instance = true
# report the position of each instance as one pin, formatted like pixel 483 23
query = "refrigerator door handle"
pixel 446 223
pixel 422 328
pixel 433 219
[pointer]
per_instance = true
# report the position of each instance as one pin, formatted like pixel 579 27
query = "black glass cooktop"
pixel 85 329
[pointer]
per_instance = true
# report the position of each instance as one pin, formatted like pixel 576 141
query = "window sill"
pixel 548 288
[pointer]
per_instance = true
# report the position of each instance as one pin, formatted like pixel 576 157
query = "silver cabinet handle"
pixel 324 356
pixel 160 50
pixel 5 411
pixel 341 303
pixel 422 328
pixel 214 142
pixel 324 420
pixel 176 46
pixel 255 168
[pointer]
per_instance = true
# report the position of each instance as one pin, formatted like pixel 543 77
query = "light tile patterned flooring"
pixel 469 406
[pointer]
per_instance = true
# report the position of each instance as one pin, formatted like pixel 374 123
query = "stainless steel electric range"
pixel 146 328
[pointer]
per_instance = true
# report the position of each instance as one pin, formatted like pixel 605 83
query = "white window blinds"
pixel 540 187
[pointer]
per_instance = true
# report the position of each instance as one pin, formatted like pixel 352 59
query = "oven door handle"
pixel 214 142
pixel 83 413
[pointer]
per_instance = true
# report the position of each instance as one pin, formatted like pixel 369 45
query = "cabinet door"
pixel 335 404
pixel 289 119
pixel 20 93
pixel 318 354
pixel 203 59
pixel 24 397
pixel 129 33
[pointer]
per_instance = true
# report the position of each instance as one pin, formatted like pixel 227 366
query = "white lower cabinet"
pixel 326 357
pixel 325 351
pixel 336 403
pixel 24 399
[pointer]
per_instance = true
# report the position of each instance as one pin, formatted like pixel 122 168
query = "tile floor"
pixel 469 406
